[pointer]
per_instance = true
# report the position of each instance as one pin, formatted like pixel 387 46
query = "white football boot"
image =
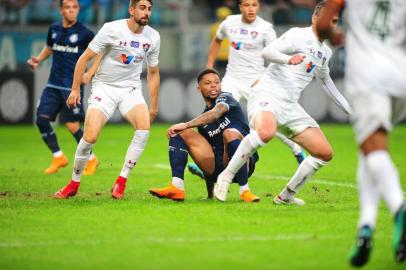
pixel 221 188
pixel 290 201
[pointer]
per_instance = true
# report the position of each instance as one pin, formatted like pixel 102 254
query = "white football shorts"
pixel 291 118
pixel 237 87
pixel 374 110
pixel 108 98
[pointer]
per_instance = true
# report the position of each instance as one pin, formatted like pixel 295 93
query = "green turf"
pixel 92 231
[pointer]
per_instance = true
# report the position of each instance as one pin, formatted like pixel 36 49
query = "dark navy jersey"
pixel 67 45
pixel 233 118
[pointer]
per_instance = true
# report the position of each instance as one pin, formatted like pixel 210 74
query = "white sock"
pixel 306 169
pixel 81 156
pixel 134 151
pixel 57 154
pixel 380 166
pixel 368 196
pixel 245 150
pixel 244 188
pixel 178 182
pixel 296 149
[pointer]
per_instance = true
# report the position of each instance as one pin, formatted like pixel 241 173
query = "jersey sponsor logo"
pixel 122 43
pixel 74 38
pixel 126 59
pixel 243 31
pixel 221 127
pixel 310 66
pixel 146 46
pixel 254 34
pixel 134 44
pixel 138 59
pixel 236 45
pixel 65 48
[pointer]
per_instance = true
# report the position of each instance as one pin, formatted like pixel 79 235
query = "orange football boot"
pixel 57 163
pixel 247 196
pixel 91 166
pixel 69 190
pixel 169 192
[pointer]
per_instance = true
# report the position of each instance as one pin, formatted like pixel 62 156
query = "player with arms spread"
pixel 298 56
pixel 221 128
pixel 376 85
pixel 123 45
pixel 66 41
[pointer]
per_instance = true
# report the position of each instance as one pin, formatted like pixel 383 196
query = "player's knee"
pixel 230 135
pixel 325 155
pixel 43 123
pixel 89 137
pixel 265 134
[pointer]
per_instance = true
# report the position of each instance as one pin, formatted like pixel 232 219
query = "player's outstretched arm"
pixel 153 82
pixel 213 51
pixel 274 54
pixel 335 95
pixel 203 119
pixel 81 64
pixel 34 61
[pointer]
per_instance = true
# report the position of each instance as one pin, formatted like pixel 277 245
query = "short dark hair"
pixel 134 2
pixel 61 3
pixel 206 71
pixel 318 7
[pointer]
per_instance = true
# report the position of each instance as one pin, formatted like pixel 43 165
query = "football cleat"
pixel 117 190
pixel 291 201
pixel 56 164
pixel 194 169
pixel 362 248
pixel 69 190
pixel 169 192
pixel 300 157
pixel 399 239
pixel 91 166
pixel 247 196
pixel 221 188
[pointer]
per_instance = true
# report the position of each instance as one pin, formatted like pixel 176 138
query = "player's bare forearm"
pixel 153 82
pixel 208 117
pixel 213 52
pixel 80 69
pixel 44 54
pixel 95 65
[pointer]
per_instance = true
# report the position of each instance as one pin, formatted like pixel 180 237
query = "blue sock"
pixel 78 135
pixel 242 175
pixel 178 155
pixel 48 134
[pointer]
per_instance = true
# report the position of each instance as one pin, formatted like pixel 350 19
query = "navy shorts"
pixel 53 102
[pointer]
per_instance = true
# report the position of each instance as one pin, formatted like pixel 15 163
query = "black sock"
pixel 48 134
pixel 242 175
pixel 78 135
pixel 178 155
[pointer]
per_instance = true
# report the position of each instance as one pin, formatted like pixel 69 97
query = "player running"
pixel 298 56
pixel 221 128
pixel 123 45
pixel 66 41
pixel 376 34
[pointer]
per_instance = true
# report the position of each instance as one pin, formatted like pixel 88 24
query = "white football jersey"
pixel 246 44
pixel 123 52
pixel 288 81
pixel 376 46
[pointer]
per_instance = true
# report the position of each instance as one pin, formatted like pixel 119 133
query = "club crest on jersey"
pixel 134 44
pixel 126 59
pixel 254 34
pixel 243 31
pixel 54 35
pixel 74 38
pixel 146 46
pixel 236 45
pixel 310 66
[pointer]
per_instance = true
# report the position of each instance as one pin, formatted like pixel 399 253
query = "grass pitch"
pixel 92 231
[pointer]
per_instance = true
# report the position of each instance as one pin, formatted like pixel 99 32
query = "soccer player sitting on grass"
pixel 221 128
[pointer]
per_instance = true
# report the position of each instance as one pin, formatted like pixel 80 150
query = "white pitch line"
pixel 285 178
